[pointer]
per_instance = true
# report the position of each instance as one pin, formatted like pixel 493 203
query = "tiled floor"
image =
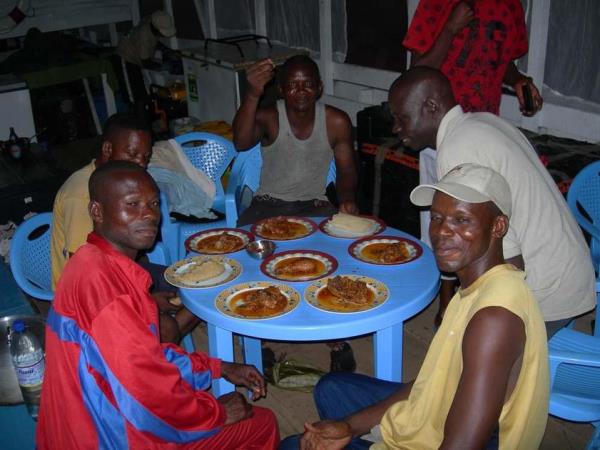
pixel 295 408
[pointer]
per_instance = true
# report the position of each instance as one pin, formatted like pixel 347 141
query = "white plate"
pixel 222 302
pixel 233 269
pixel 377 226
pixel 380 291
pixel 331 229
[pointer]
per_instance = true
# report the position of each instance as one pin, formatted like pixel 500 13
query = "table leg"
pixel 220 345
pixel 387 348
pixel 253 352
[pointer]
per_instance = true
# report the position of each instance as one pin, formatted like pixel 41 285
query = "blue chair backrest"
pixel 584 201
pixel 245 179
pixel 30 257
pixel 209 153
pixel 574 362
pixel 169 229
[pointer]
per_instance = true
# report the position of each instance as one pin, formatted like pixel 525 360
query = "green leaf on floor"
pixel 294 376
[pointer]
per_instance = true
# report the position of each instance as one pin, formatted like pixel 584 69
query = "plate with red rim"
pixel 368 249
pixel 298 228
pixel 377 227
pixel 323 265
pixel 194 242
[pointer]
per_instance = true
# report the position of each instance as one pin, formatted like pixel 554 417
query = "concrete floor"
pixel 295 408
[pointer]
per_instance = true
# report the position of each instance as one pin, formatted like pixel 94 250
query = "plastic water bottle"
pixel 28 358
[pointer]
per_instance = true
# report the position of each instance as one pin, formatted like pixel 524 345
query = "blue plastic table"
pixel 412 286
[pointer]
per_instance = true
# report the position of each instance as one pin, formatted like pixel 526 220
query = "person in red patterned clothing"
pixel 473 43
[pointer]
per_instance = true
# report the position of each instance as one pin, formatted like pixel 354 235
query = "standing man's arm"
pixel 249 121
pixel 517 81
pixel 461 16
pixel 493 346
pixel 339 131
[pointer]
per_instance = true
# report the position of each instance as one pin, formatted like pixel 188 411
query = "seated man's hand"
pixel 349 207
pixel 164 305
pixel 236 407
pixel 326 435
pixel 245 375
pixel 258 75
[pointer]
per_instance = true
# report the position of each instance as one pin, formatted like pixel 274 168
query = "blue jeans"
pixel 340 394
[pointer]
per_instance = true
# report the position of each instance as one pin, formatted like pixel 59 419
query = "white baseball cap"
pixel 469 183
pixel 163 23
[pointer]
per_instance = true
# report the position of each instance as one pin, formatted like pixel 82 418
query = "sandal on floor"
pixel 342 360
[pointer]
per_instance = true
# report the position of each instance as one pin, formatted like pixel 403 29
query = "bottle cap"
pixel 18 326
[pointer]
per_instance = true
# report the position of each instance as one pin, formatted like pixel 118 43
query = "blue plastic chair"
pixel 575 379
pixel 211 154
pixel 584 201
pixel 30 261
pixel 244 180
pixel 30 257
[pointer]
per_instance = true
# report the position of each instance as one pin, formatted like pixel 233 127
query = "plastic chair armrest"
pixel 587 225
pixel 159 255
pixel 36 292
pixel 558 357
pixel 231 210
pixel 584 358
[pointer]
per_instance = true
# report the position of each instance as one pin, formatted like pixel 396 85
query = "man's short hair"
pixel 103 174
pixel 297 60
pixel 123 121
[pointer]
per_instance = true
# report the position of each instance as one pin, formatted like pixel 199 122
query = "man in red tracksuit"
pixel 109 382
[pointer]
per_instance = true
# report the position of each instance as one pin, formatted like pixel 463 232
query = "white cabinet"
pixel 215 76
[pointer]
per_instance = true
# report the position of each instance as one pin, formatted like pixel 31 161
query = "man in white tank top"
pixel 299 137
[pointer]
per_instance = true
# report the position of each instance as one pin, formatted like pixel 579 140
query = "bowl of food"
pixel 260 249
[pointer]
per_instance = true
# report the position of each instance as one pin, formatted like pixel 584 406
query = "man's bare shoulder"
pixel 494 330
pixel 335 113
pixel 337 118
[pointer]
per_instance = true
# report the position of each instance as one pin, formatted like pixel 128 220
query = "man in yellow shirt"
pixel 484 382
pixel 125 138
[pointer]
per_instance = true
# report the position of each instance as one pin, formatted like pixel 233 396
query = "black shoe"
pixel 268 360
pixel 342 360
